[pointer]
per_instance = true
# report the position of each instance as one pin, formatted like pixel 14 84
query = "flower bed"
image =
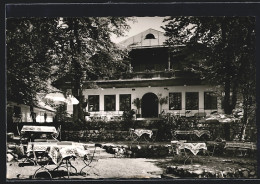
pixel 202 171
pixel 137 151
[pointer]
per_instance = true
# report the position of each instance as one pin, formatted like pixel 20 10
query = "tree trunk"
pixel 245 116
pixel 227 106
pixel 77 73
pixel 78 113
pixel 243 132
pixel 32 114
pixel 234 96
pixel 227 59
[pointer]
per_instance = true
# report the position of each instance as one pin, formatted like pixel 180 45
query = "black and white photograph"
pixel 131 97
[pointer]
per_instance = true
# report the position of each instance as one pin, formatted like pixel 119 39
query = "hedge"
pixel 162 126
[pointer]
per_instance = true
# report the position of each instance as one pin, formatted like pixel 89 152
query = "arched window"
pixel 150 36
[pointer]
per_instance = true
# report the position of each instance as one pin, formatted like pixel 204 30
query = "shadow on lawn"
pixel 60 174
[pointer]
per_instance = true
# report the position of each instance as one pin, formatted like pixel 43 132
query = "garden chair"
pixel 43 169
pixel 211 149
pixel 33 156
pixel 91 161
pixel 188 155
pixel 181 153
pixel 178 153
pixel 38 158
pixel 174 147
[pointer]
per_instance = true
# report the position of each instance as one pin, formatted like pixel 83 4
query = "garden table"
pixel 198 133
pixel 194 148
pixel 243 147
pixel 34 129
pixel 31 128
pixel 138 134
pixel 58 153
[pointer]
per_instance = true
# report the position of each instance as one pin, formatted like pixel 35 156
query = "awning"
pixel 31 128
pixel 71 100
pixel 59 97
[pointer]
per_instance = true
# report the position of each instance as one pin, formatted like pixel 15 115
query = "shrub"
pixel 164 126
pixel 128 115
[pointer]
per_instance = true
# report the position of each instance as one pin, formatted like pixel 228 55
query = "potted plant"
pixel 137 103
pixel 162 100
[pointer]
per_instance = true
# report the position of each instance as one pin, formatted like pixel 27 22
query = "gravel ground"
pixel 109 167
pixel 106 167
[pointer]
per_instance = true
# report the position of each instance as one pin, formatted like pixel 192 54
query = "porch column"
pixel 101 103
pixel 201 101
pixel 183 102
pixel 117 103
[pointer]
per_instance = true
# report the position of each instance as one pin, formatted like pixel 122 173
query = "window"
pixel 17 111
pixel 192 101
pixel 210 100
pixel 110 102
pixel 93 103
pixel 125 102
pixel 150 36
pixel 175 101
pixel 223 99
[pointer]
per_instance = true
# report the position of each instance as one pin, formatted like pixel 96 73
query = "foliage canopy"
pixel 43 50
pixel 220 49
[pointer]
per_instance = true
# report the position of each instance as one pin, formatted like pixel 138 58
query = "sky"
pixel 141 24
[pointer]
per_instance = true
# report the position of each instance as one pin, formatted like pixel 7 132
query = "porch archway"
pixel 149 105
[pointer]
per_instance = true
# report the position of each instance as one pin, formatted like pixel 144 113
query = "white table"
pixel 58 152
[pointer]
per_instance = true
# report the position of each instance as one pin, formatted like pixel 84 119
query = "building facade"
pixel 18 113
pixel 153 74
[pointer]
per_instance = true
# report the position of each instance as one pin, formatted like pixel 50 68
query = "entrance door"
pixel 150 106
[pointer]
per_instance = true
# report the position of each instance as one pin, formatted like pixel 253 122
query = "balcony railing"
pixel 159 74
pixel 149 74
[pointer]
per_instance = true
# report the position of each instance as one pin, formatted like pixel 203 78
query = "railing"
pixel 117 115
pixel 199 112
pixel 102 112
pixel 105 116
pixel 166 73
pixel 149 74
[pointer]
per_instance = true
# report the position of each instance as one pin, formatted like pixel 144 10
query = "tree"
pixel 43 50
pixel 221 50
pixel 85 52
pixel 28 61
pixel 61 113
pixel 248 93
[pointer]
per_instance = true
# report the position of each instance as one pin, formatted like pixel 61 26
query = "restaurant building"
pixel 154 74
